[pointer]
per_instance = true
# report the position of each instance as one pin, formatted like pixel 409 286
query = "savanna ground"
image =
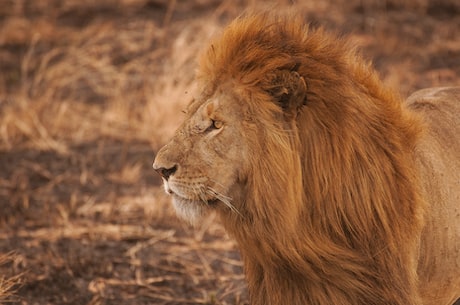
pixel 89 90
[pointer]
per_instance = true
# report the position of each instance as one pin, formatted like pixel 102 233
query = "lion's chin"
pixel 190 210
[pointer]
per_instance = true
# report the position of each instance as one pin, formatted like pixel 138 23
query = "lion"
pixel 335 190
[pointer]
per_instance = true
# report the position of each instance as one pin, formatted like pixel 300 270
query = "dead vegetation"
pixel 89 90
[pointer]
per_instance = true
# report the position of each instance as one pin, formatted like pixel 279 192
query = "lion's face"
pixel 203 163
pixel 226 138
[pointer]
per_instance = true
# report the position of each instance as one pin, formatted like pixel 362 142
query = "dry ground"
pixel 89 90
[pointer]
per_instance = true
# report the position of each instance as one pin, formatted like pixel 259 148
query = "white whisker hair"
pixel 225 199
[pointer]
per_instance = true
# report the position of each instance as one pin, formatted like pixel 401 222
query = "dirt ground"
pixel 89 90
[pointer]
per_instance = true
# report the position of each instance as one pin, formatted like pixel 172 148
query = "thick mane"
pixel 332 213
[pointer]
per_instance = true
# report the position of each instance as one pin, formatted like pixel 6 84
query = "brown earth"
pixel 89 90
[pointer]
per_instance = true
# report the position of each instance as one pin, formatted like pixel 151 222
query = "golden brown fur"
pixel 314 168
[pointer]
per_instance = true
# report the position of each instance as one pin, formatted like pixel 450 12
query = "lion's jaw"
pixel 197 165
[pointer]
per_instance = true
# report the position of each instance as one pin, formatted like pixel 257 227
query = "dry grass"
pixel 8 285
pixel 90 89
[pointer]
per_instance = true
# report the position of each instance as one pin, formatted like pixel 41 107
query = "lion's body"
pixel 335 191
pixel 438 161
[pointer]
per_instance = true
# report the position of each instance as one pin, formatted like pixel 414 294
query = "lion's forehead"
pixel 198 112
pixel 224 100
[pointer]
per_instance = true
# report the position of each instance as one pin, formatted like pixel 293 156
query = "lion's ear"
pixel 289 90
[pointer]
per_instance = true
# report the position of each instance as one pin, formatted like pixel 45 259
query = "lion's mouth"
pixel 188 201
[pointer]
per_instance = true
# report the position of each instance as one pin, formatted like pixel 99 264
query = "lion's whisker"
pixel 225 199
pixel 198 191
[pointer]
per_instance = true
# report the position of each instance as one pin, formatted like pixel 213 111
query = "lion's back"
pixel 438 158
pixel 440 108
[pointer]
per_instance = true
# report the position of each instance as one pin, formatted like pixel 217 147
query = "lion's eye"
pixel 215 125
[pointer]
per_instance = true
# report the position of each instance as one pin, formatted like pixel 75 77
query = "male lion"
pixel 335 190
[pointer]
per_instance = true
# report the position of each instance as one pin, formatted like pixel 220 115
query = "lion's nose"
pixel 163 171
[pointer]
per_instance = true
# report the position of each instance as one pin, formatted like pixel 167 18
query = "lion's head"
pixel 219 150
pixel 308 159
pixel 239 137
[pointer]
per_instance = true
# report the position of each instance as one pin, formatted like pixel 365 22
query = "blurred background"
pixel 90 90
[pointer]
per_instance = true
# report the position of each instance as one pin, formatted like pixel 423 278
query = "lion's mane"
pixel 333 212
